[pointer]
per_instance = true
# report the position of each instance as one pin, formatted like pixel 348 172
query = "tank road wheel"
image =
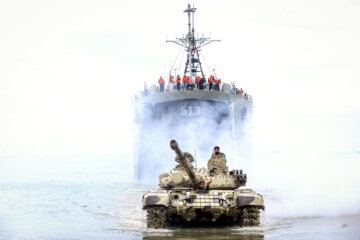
pixel 249 217
pixel 157 217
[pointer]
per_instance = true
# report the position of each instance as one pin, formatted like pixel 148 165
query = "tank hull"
pixel 195 208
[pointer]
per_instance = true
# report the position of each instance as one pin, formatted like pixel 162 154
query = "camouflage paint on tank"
pixel 181 199
pixel 244 200
pixel 155 199
pixel 248 197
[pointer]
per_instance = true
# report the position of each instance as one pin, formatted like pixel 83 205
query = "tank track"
pixel 249 217
pixel 157 217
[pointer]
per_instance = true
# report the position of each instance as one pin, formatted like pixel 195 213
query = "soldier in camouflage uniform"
pixel 202 188
pixel 217 162
pixel 218 153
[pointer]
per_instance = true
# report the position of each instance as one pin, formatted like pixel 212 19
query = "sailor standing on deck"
pixel 185 82
pixel 198 79
pixel 162 84
pixel 217 85
pixel 201 83
pixel 241 91
pixel 211 81
pixel 190 83
pixel 178 80
pixel 171 83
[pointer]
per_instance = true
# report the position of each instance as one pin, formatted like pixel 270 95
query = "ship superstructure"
pixel 201 119
pixel 192 46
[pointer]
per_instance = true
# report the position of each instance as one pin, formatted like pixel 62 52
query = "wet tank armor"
pixel 179 201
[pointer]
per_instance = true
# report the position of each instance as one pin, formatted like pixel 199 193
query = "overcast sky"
pixel 68 69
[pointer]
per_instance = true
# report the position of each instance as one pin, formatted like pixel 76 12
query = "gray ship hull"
pixel 198 119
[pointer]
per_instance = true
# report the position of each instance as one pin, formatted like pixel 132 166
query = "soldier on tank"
pixel 217 153
pixel 217 162
pixel 202 188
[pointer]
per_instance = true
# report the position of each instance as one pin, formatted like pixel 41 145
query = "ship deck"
pixel 167 96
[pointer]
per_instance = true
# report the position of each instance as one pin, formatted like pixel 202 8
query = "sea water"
pixel 96 197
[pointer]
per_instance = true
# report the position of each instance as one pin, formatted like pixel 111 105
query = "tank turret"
pixel 185 175
pixel 184 161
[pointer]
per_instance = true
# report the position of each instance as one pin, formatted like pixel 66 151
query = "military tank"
pixel 184 200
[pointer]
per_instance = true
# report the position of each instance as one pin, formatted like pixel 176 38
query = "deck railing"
pixel 224 88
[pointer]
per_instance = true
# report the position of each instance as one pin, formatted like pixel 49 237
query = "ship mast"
pixel 192 46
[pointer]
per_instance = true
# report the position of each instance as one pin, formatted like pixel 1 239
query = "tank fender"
pixel 250 200
pixel 155 199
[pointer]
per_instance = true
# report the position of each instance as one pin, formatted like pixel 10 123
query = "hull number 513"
pixel 190 110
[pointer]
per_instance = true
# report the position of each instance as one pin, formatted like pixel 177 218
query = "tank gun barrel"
pixel 183 161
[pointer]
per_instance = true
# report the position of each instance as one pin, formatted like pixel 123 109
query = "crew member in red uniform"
pixel 189 83
pixel 217 85
pixel 211 82
pixel 171 83
pixel 178 80
pixel 185 82
pixel 161 83
pixel 198 78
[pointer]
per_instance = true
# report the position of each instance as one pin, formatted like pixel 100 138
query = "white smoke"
pixel 300 171
pixel 307 166
pixel 197 135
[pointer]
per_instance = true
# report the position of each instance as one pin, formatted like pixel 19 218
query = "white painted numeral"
pixel 190 110
pixel 197 110
pixel 183 110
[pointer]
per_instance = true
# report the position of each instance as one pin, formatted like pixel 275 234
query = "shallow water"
pixel 72 198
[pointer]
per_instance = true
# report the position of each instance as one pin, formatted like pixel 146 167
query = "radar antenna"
pixel 192 46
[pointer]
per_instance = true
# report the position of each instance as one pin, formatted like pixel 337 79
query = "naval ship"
pixel 199 119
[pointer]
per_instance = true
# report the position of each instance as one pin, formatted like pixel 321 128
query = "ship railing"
pixel 224 88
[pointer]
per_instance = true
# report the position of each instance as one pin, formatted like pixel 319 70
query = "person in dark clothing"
pixel 178 80
pixel 211 82
pixel 218 153
pixel 198 79
pixel 202 187
pixel 185 82
pixel 162 84
pixel 201 84
pixel 217 85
